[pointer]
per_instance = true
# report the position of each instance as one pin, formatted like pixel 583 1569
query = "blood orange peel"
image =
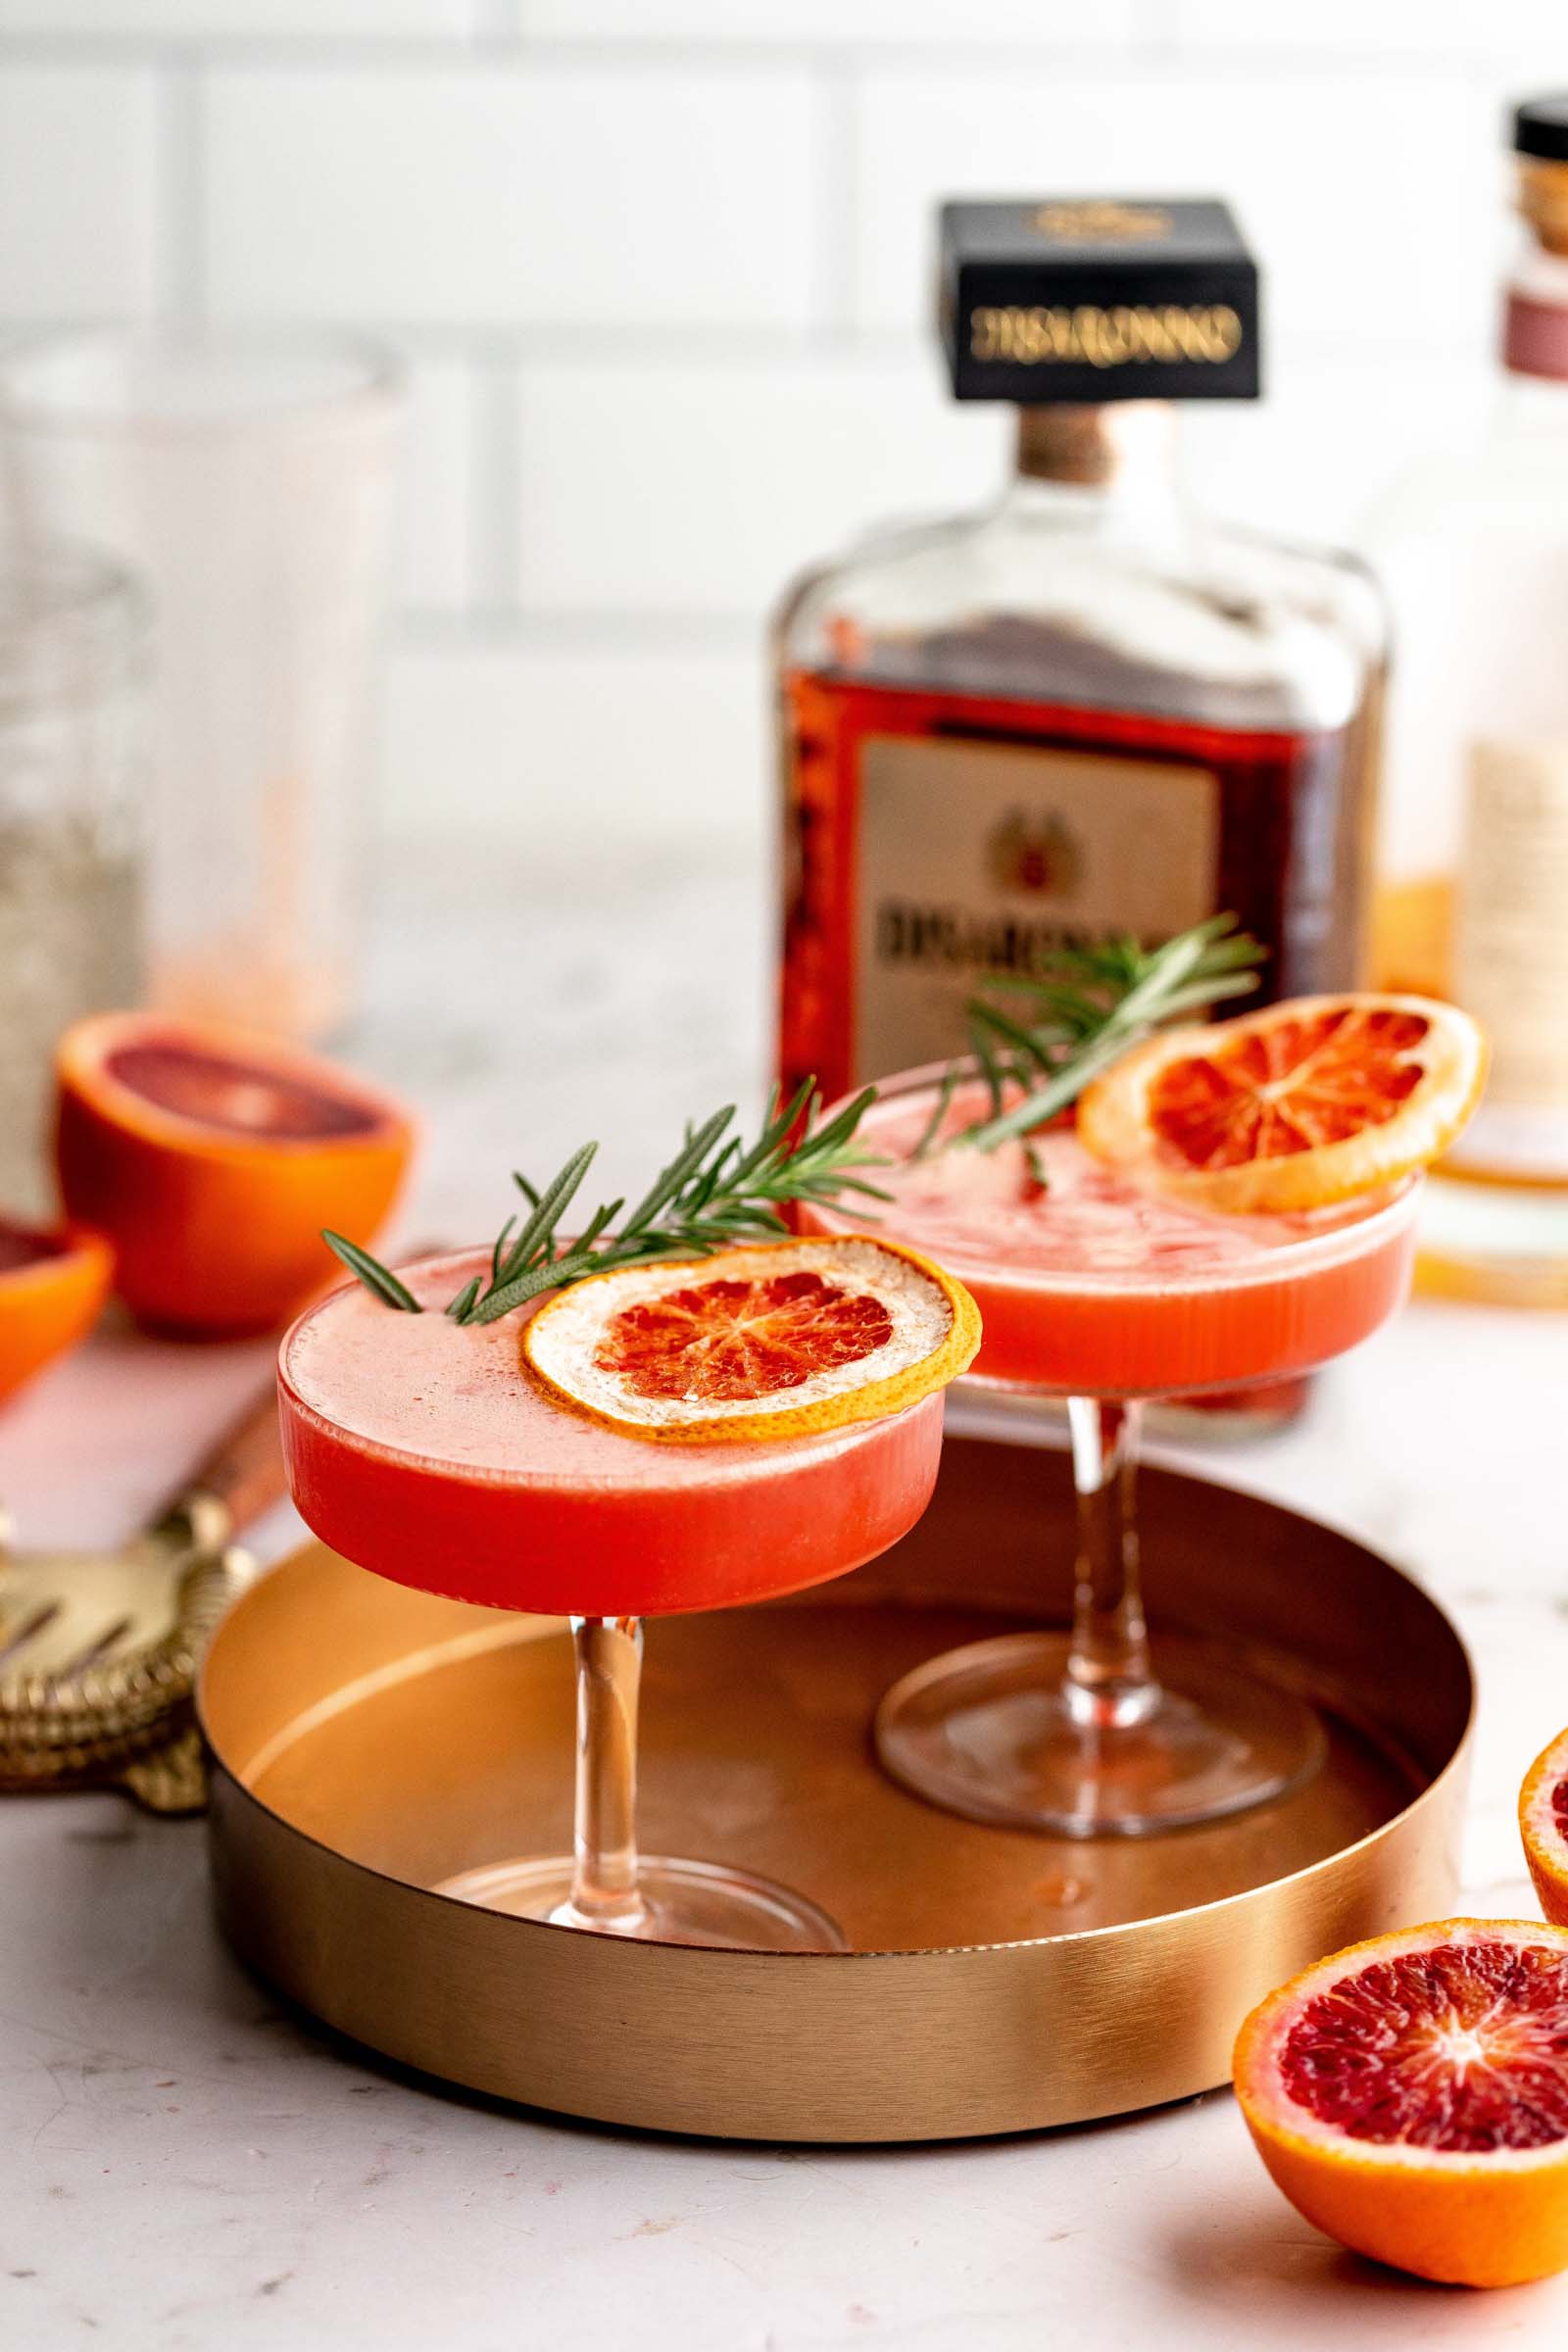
pixel 1306 1104
pixel 773 1339
pixel 1544 1826
pixel 53 1284
pixel 1409 2096
pixel 212 1157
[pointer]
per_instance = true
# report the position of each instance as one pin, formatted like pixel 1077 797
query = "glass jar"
pixel 250 480
pixel 74 665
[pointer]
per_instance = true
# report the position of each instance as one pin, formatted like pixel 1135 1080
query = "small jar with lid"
pixel 74 640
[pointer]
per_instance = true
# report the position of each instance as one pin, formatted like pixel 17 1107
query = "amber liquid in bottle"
pixel 1074 718
pixel 1287 858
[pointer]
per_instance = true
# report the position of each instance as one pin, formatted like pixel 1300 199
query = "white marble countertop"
pixel 182 2165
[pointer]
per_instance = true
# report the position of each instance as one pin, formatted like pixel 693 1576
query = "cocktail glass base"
pixel 677 1902
pixel 993 1731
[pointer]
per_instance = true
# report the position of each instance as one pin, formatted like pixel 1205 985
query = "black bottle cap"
pixel 1087 299
pixel 1540 127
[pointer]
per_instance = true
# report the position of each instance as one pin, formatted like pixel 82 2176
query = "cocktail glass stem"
pixel 605 1888
pixel 605 1885
pixel 1093 1743
pixel 1109 1684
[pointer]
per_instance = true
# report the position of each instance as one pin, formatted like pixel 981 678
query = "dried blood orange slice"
pixel 776 1339
pixel 212 1157
pixel 1544 1826
pixel 52 1284
pixel 1410 2096
pixel 1307 1102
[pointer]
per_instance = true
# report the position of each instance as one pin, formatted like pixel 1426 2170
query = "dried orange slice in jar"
pixel 1410 2097
pixel 1544 1826
pixel 775 1339
pixel 212 1157
pixel 1307 1102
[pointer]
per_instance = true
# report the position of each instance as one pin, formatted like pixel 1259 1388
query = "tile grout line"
pixel 833 196
pixel 180 220
pixel 496 24
pixel 1161 36
pixel 708 341
pixel 635 629
pixel 1160 47
pixel 495 489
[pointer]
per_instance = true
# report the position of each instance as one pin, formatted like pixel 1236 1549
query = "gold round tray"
pixel 369 1742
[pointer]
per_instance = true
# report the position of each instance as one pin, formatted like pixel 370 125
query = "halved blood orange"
pixel 1410 2097
pixel 1544 1826
pixel 1302 1104
pixel 53 1284
pixel 775 1339
pixel 212 1157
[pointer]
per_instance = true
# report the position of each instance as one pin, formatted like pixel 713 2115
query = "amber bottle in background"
pixel 1088 710
pixel 1473 854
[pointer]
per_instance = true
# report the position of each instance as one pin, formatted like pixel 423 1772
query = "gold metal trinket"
pixel 99 1651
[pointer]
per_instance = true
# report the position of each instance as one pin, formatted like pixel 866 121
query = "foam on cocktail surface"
pixel 421 1448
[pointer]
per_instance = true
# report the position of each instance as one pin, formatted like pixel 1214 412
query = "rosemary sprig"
pixel 370 1271
pixel 1087 1007
pixel 712 1195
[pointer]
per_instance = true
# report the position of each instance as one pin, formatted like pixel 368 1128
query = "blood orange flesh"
pixel 1314 1101
pixel 1459 2047
pixel 235 1097
pixel 736 1339
pixel 770 1339
pixel 1544 1826
pixel 20 1248
pixel 1410 2096
pixel 1293 1086
pixel 212 1157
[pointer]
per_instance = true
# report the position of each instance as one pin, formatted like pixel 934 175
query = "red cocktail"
pixel 1104 1292
pixel 424 1449
pixel 1091 1285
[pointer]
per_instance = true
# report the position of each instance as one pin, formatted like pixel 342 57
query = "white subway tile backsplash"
pixel 228 19
pixel 568 747
pixel 496 195
pixel 442 488
pixel 1310 458
pixel 79 192
pixel 701 488
pixel 1362 236
pixel 1409 29
pixel 841 23
pixel 663 268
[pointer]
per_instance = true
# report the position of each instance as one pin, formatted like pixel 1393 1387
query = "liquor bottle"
pixel 1473 850
pixel 1088 710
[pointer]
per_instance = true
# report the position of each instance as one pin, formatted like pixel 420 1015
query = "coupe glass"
pixel 1091 1734
pixel 416 1448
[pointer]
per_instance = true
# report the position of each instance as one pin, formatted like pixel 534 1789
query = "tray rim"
pixel 929 2042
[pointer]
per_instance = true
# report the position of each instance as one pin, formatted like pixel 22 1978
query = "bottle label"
pixel 979 857
pixel 1535 336
pixel 1510 963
